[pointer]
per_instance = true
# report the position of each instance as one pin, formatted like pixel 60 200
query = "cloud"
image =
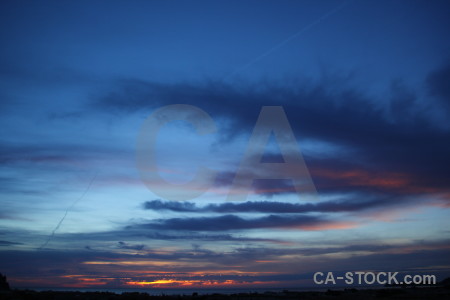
pixel 400 136
pixel 201 237
pixel 52 155
pixel 331 177
pixel 8 243
pixel 169 205
pixel 140 232
pixel 354 203
pixel 69 267
pixel 124 245
pixel 266 187
pixel 232 222
pixel 438 85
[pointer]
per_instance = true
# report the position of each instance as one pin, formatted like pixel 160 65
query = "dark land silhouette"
pixel 439 291
pixel 4 285
pixel 366 294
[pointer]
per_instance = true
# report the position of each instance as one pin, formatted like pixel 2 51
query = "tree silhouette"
pixel 4 285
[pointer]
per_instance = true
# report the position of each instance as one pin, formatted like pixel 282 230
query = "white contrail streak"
pixel 67 211
pixel 284 42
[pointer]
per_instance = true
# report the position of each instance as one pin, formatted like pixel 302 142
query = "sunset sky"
pixel 365 87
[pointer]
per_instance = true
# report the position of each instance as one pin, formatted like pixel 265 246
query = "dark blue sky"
pixel 365 88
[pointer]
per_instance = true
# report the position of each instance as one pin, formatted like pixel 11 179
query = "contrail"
pixel 67 211
pixel 284 42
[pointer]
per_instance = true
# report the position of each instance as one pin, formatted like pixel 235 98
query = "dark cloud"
pixel 401 137
pixel 203 237
pixel 55 264
pixel 367 248
pixel 232 222
pixel 438 83
pixel 140 233
pixel 331 176
pixel 7 243
pixel 52 154
pixel 170 205
pixel 266 187
pixel 124 245
pixel 357 202
pixel 402 102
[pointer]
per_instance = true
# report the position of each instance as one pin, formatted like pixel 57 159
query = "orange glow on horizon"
pixel 175 283
pixel 181 283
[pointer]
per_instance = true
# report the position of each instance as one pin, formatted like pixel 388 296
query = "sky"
pixel 228 144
